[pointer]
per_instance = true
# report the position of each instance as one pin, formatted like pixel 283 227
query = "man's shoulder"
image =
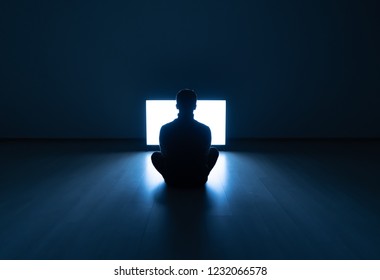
pixel 201 125
pixel 168 125
pixel 176 124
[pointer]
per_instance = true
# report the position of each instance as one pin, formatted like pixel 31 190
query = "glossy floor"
pixel 264 200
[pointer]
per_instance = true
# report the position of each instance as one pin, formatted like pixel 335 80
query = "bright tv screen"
pixel 209 112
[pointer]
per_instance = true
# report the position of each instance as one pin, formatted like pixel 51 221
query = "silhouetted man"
pixel 186 158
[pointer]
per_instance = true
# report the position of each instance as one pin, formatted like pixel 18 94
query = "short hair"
pixel 186 99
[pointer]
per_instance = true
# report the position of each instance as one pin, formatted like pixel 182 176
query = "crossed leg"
pixel 158 161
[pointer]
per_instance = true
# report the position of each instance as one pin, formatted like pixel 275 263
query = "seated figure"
pixel 186 157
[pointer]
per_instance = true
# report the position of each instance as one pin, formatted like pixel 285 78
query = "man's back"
pixel 185 143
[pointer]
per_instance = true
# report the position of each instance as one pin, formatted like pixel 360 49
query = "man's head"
pixel 186 100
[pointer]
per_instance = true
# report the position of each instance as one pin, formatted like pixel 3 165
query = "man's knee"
pixel 158 161
pixel 214 153
pixel 212 158
pixel 156 157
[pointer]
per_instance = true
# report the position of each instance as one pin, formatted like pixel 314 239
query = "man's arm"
pixel 208 137
pixel 162 139
pixel 206 140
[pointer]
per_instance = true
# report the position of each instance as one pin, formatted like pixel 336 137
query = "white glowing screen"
pixel 209 112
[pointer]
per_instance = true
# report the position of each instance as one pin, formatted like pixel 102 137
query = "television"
pixel 209 112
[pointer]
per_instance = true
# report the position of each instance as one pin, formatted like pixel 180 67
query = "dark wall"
pixel 286 68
